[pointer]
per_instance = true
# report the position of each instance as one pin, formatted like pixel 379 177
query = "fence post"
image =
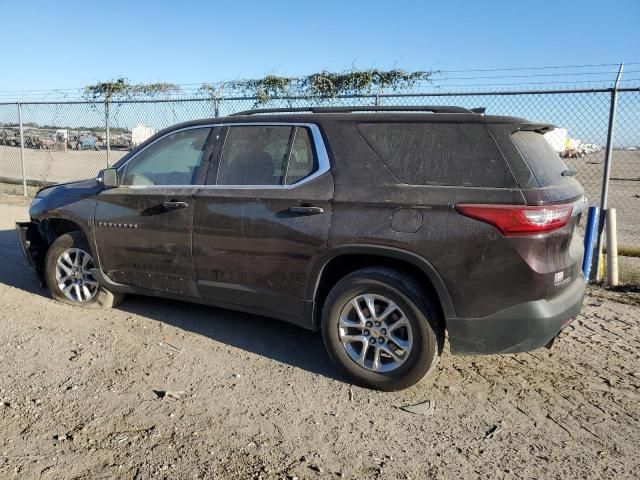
pixel 595 271
pixel 24 175
pixel 106 121
pixel 612 248
pixel 216 107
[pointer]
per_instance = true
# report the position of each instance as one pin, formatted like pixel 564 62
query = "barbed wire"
pixel 508 69
pixel 561 75
pixel 536 75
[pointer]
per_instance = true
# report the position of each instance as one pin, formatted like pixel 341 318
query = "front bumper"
pixel 520 328
pixel 30 242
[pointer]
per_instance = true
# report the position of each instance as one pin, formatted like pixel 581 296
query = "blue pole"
pixel 589 239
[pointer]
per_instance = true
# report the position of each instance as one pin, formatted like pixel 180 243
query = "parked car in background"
pixel 384 228
pixel 9 138
pixel 120 142
pixel 87 142
pixel 47 142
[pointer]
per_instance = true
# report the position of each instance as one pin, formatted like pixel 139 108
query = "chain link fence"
pixel 63 141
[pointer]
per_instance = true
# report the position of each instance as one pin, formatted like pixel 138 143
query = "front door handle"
pixel 307 210
pixel 174 205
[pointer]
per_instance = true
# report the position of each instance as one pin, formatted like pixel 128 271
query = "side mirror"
pixel 108 177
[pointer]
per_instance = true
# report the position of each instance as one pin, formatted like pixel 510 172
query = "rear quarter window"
pixel 439 154
pixel 544 162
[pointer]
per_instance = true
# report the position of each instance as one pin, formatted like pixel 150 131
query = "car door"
pixel 143 228
pixel 263 218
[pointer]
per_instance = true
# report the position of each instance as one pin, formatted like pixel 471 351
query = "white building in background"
pixel 562 143
pixel 140 133
pixel 62 135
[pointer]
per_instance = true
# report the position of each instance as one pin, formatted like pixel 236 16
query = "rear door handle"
pixel 174 205
pixel 307 210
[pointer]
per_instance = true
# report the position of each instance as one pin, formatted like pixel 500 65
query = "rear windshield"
pixel 543 160
pixel 439 153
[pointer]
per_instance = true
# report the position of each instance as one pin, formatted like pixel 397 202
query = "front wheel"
pixel 381 330
pixel 69 274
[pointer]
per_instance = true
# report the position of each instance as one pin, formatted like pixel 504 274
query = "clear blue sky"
pixel 47 45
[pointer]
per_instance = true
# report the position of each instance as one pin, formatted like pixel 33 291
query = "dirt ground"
pixel 80 397
pixel 54 165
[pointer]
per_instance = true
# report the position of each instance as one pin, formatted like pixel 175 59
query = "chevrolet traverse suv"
pixel 384 228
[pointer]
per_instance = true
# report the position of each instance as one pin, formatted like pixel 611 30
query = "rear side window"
pixel 543 160
pixel 302 161
pixel 439 153
pixel 255 155
pixel 266 155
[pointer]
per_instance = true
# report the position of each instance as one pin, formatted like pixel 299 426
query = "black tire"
pixel 103 298
pixel 421 312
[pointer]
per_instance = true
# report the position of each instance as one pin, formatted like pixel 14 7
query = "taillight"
pixel 519 219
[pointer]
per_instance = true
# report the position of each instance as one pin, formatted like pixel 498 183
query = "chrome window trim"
pixel 321 152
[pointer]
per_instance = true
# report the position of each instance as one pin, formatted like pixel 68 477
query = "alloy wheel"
pixel 74 275
pixel 375 332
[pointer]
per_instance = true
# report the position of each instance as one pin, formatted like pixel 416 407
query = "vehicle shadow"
pixel 15 271
pixel 270 338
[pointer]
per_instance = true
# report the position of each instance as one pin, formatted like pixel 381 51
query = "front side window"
pixel 172 160
pixel 266 155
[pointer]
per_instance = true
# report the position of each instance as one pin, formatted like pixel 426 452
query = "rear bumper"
pixel 519 328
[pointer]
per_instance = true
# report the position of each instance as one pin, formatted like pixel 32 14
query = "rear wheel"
pixel 381 330
pixel 69 274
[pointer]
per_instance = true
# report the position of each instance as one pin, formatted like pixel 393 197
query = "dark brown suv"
pixel 382 228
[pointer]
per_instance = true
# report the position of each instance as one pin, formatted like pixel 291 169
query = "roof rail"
pixel 417 108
